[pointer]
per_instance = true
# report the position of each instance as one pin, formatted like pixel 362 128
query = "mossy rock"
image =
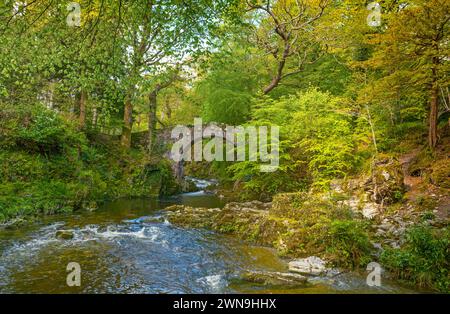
pixel 188 186
pixel 297 227
pixel 64 234
pixel 420 164
pixel 191 217
pixel 287 205
pixel 440 175
pixel 267 278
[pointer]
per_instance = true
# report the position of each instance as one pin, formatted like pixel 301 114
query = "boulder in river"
pixel 312 265
pixel 189 186
pixel 64 234
pixel 269 278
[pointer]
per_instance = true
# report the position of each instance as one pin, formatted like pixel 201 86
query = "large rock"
pixel 282 205
pixel 274 278
pixel 370 210
pixel 301 205
pixel 255 205
pixel 64 234
pixel 312 265
pixel 188 186
pixel 192 217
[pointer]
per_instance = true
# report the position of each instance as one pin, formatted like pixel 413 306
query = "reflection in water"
pixel 128 247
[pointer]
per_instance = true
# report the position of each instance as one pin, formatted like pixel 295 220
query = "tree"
pixel 226 88
pixel 286 33
pixel 414 50
pixel 157 35
pixel 67 65
pixel 166 81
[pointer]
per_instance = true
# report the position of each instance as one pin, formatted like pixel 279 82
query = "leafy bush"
pixel 44 130
pixel 423 260
pixel 262 185
pixel 348 243
pixel 317 143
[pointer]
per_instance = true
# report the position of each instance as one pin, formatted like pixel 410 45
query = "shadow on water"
pixel 127 246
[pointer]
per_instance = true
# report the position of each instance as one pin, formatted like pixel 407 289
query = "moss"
pixel 440 173
pixel 421 163
pixel 426 203
pixel 227 228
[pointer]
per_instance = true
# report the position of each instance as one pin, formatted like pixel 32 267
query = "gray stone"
pixel 380 232
pixel 377 246
pixel 370 210
pixel 312 265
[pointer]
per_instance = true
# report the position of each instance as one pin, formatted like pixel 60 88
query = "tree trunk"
pixel 127 123
pixel 432 131
pixel 434 107
pixel 272 85
pixel 168 110
pixel 279 74
pixel 82 116
pixel 152 119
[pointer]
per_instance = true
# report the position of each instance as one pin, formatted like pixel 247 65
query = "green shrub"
pixel 348 243
pixel 44 130
pixel 317 143
pixel 423 260
pixel 21 166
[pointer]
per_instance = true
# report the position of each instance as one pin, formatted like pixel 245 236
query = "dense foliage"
pixel 85 103
pixel 424 259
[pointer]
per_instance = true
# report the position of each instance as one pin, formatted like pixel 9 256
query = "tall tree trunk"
pixel 434 107
pixel 127 123
pixel 432 131
pixel 152 119
pixel 82 116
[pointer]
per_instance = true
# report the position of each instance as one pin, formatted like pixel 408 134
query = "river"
pixel 127 246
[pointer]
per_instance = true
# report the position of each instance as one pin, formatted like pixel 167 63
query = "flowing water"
pixel 127 246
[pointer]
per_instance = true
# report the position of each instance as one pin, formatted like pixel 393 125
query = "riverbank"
pixel 395 212
pixel 301 225
pixel 49 166
pixel 129 246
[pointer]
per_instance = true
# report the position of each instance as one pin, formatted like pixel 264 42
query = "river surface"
pixel 127 246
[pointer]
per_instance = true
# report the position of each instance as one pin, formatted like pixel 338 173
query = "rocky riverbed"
pixel 302 228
